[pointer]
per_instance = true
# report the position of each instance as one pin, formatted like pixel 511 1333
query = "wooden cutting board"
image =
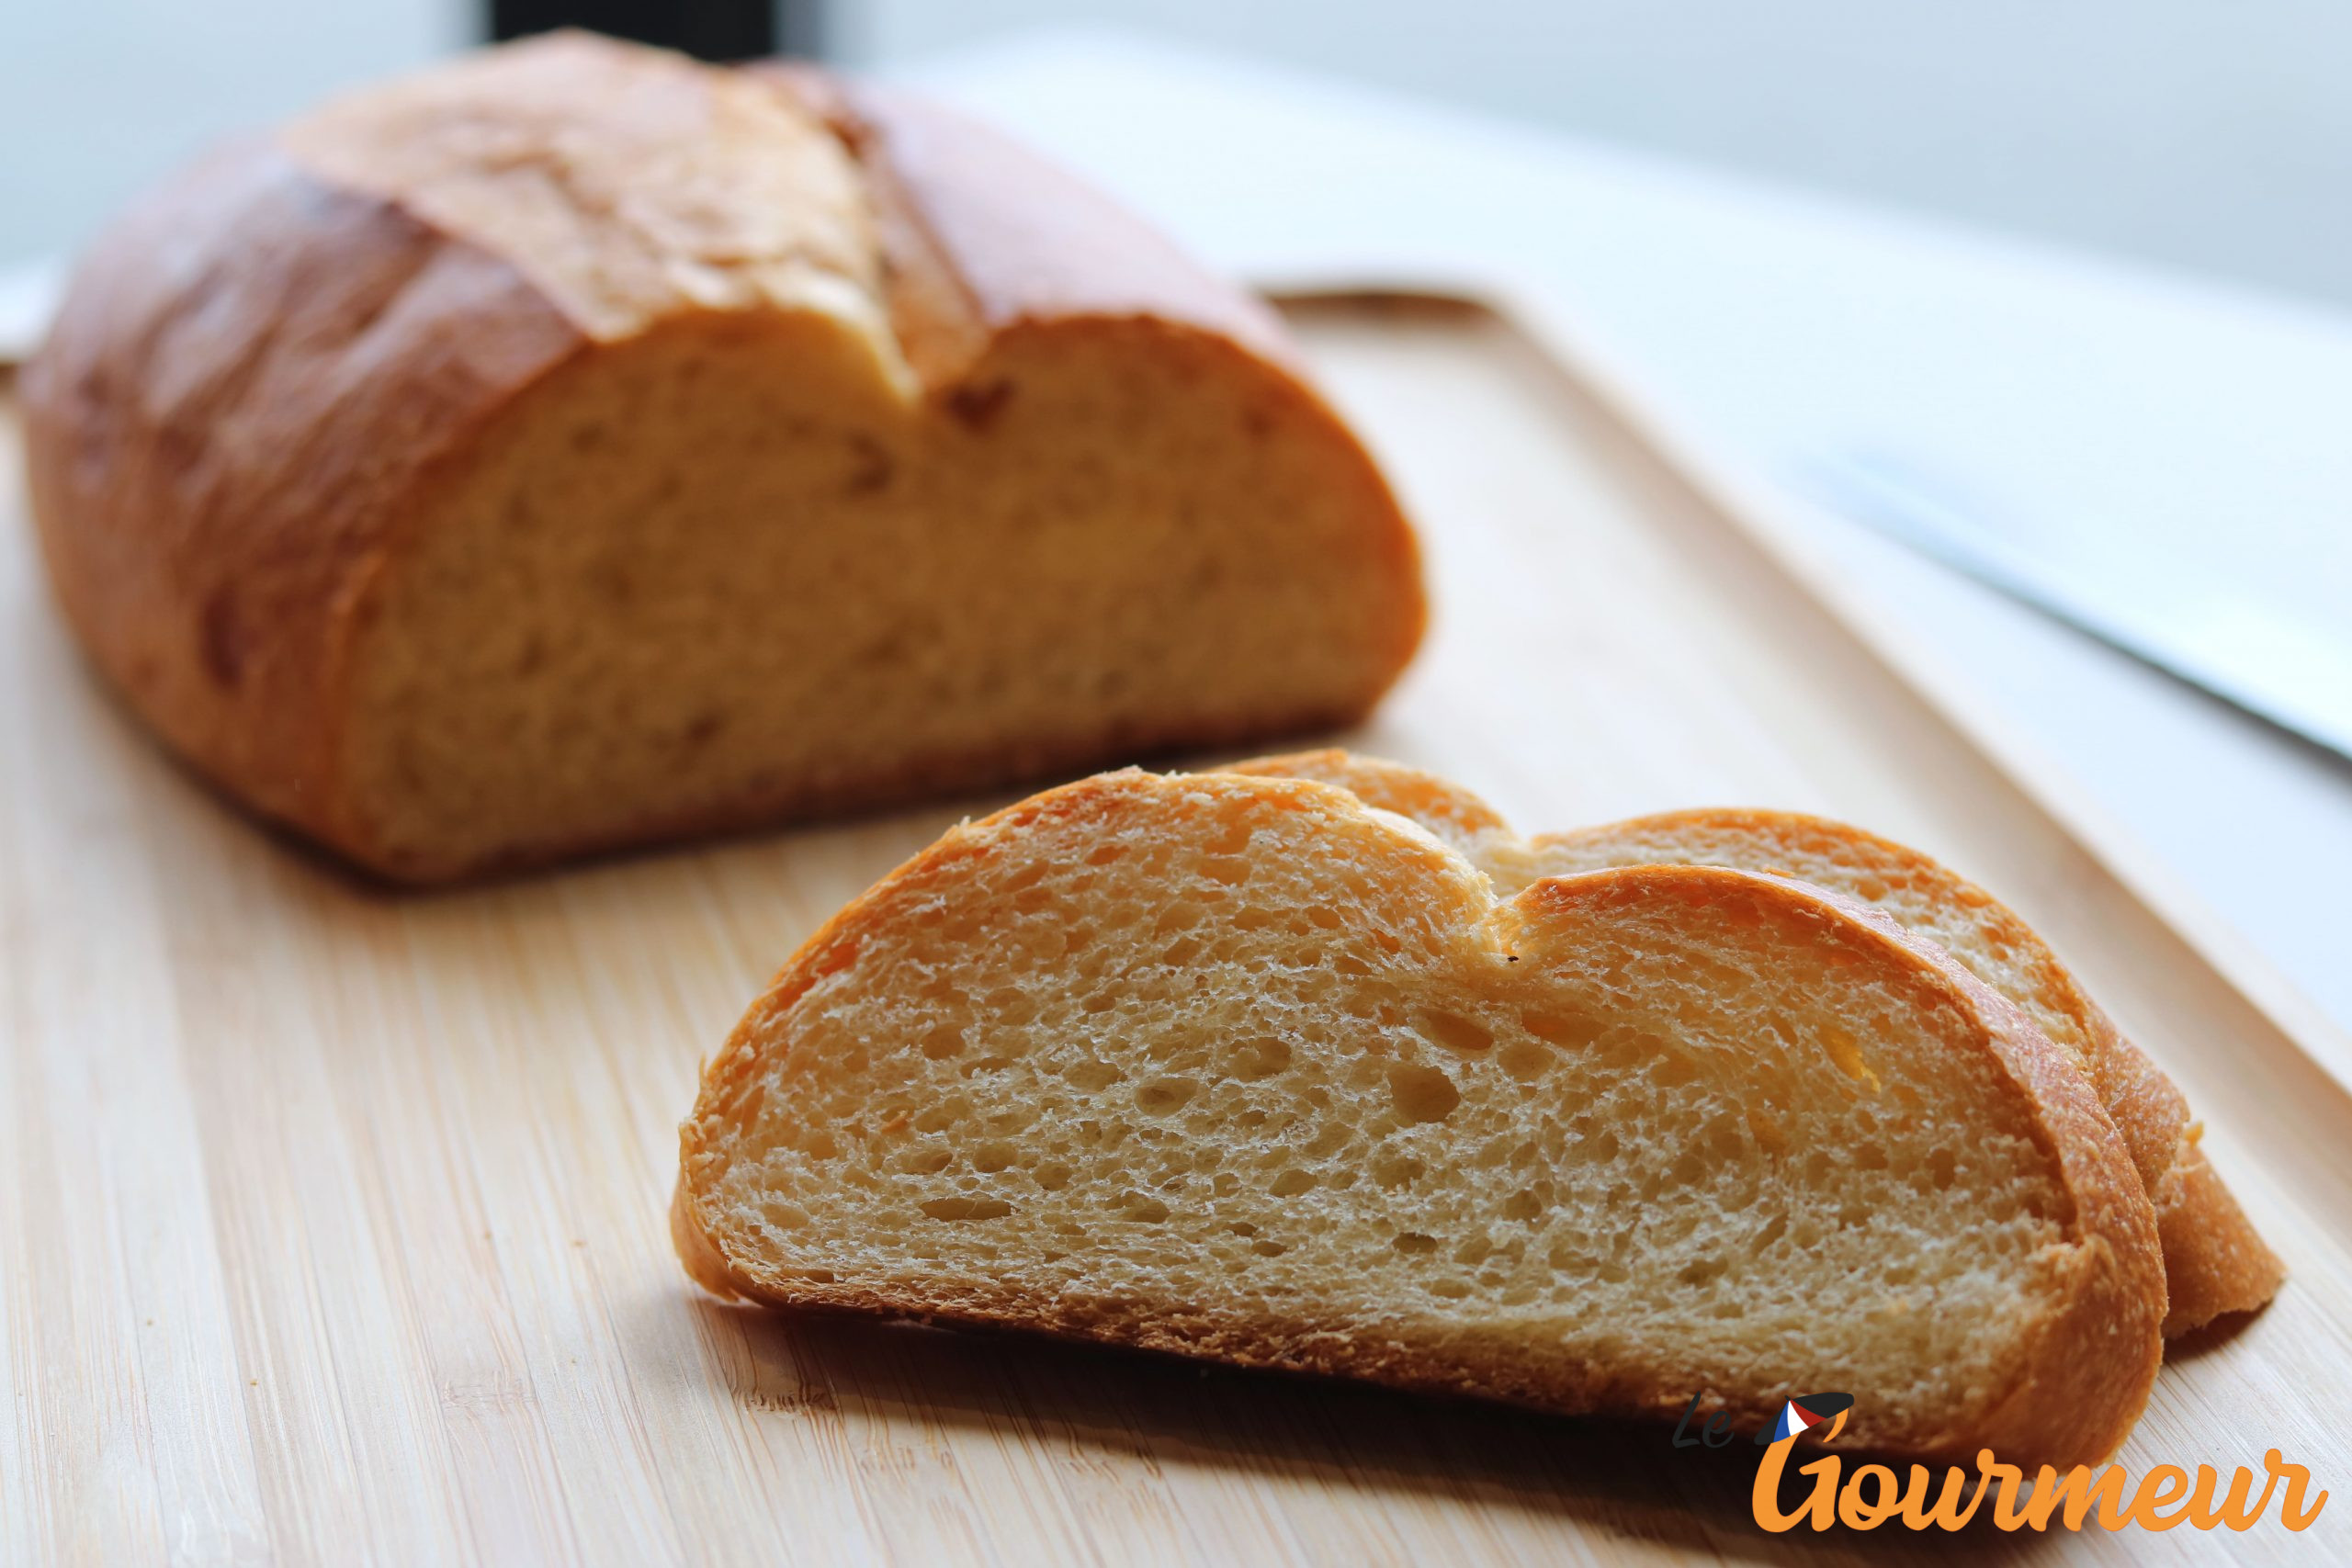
pixel 333 1220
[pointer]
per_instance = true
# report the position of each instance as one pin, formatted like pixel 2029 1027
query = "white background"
pixel 2199 133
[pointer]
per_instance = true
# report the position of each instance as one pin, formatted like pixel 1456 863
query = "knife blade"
pixel 2250 652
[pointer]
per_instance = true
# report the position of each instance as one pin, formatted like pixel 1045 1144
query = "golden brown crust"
pixel 2072 1396
pixel 632 186
pixel 941 327
pixel 259 374
pixel 206 530
pixel 2216 1262
pixel 1443 808
pixel 978 228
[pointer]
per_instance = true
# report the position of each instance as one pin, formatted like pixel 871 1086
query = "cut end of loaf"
pixel 576 446
pixel 1238 1068
pixel 727 575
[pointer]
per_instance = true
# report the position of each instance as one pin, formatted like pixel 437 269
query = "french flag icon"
pixel 1801 1414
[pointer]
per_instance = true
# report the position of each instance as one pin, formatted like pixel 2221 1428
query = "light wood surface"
pixel 332 1220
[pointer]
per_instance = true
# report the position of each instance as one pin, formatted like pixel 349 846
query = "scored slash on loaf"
pixel 1255 1067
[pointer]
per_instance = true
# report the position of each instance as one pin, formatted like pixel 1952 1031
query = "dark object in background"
pixel 707 30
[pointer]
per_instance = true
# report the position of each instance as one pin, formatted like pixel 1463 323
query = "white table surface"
pixel 2107 403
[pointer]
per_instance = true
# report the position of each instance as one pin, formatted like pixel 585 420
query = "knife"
pixel 2254 655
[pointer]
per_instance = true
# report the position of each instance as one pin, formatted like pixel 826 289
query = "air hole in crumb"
pixel 966 1208
pixel 1570 1032
pixel 1291 1183
pixel 1160 1096
pixel 1010 1007
pixel 1091 1074
pixel 1456 1033
pixel 1422 1094
pixel 1524 1059
pixel 1701 1271
pixel 1413 1244
pixel 1260 1058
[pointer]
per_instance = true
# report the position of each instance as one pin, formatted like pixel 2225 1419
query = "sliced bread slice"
pixel 1240 1068
pixel 2214 1262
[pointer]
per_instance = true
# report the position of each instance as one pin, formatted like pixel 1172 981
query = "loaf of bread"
pixel 2214 1262
pixel 1241 1068
pixel 576 446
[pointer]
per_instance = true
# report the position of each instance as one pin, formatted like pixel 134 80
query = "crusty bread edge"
pixel 1438 804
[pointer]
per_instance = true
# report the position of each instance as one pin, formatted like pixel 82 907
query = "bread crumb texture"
pixel 1240 1067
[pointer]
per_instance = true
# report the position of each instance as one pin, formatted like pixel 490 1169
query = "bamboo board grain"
pixel 332 1220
